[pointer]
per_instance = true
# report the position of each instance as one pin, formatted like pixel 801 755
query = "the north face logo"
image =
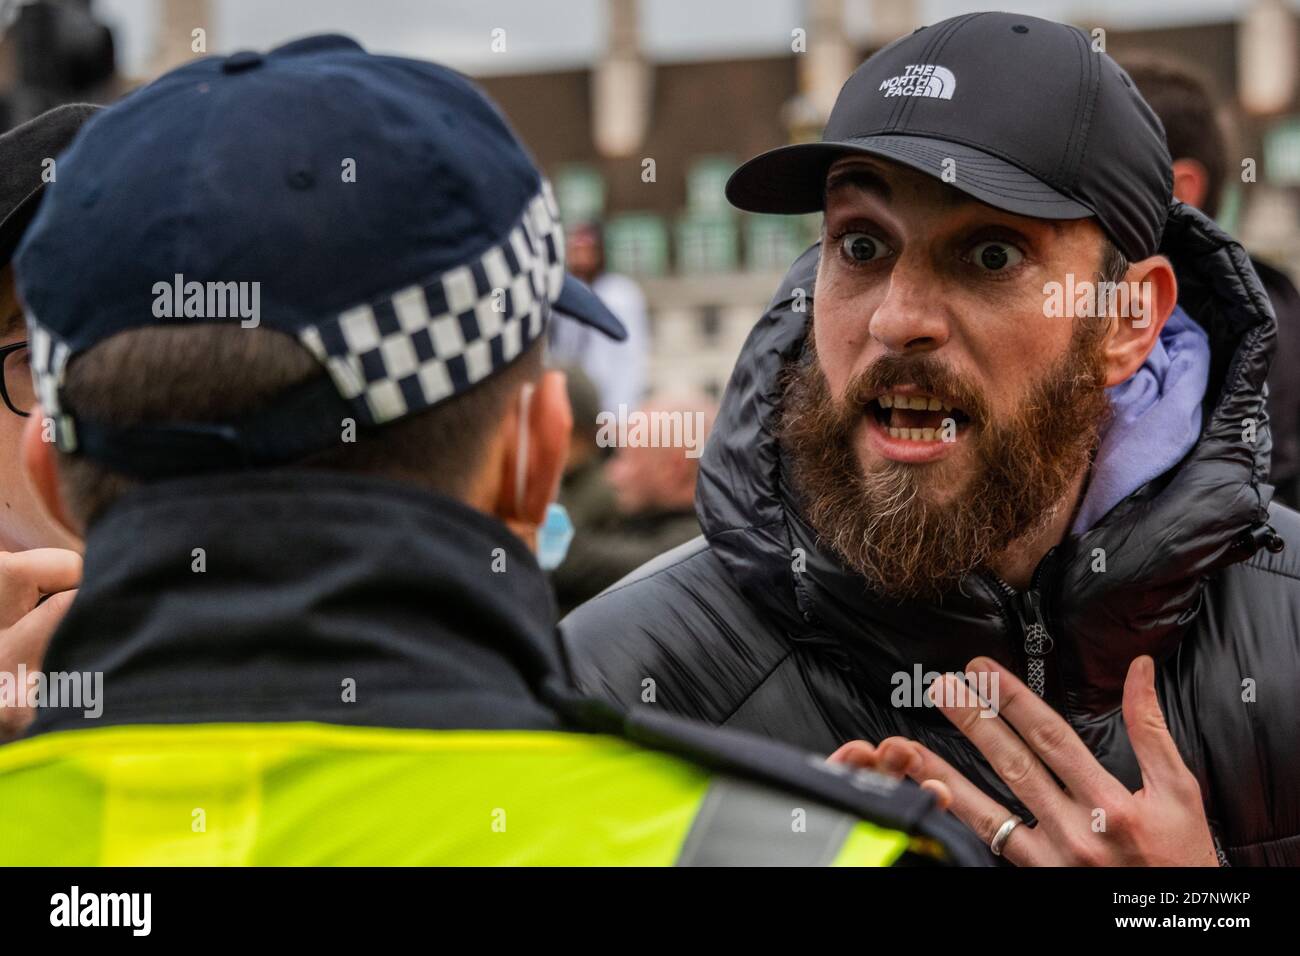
pixel 921 79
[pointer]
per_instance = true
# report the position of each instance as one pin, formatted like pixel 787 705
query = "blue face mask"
pixel 556 531
pixel 554 537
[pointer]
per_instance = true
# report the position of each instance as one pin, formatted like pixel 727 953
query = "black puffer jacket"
pixel 730 633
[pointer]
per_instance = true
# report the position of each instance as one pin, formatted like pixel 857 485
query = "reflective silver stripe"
pixel 744 824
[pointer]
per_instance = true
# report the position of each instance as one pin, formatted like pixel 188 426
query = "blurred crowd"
pixel 632 503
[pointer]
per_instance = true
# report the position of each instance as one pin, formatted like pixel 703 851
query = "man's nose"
pixel 912 317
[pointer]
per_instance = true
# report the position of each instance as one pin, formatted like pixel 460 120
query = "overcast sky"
pixel 560 33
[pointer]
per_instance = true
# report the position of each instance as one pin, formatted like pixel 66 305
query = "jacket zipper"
pixel 1038 643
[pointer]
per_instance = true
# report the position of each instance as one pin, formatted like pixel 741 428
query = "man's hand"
pixel 1094 820
pixel 26 622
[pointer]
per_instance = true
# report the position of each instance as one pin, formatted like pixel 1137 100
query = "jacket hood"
pixel 1158 545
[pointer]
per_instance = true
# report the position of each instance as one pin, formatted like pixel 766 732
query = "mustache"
pixel 927 373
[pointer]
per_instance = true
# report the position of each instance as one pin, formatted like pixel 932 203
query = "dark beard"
pixel 882 525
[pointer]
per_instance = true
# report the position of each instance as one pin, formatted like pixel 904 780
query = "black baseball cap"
pixel 25 155
pixel 1032 118
pixel 377 209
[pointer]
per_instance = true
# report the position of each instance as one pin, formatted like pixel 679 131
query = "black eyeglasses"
pixel 16 386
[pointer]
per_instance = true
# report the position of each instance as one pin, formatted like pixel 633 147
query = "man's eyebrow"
pixel 868 181
pixel 859 178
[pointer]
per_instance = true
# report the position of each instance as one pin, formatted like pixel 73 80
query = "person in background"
pixel 586 493
pixel 38 558
pixel 1198 144
pixel 618 369
pixel 27 155
pixel 653 491
pixel 655 485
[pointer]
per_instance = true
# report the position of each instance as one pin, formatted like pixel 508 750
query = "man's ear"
pixel 550 426
pixel 1139 313
pixel 40 461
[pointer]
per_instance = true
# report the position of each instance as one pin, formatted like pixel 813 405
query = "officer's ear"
pixel 41 462
pixel 549 426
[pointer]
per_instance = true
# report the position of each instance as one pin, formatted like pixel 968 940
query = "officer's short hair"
pixel 211 372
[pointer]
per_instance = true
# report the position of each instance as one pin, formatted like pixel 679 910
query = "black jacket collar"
pixel 1160 543
pixel 259 596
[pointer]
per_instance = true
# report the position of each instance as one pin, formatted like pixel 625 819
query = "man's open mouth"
pixel 918 416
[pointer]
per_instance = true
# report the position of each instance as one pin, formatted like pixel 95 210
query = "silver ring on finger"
pixel 1004 832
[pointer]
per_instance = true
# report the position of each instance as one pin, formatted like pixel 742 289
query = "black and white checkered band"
pixel 49 356
pixel 425 343
pixel 413 348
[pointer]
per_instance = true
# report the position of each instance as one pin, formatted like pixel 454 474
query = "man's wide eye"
pixel 860 247
pixel 996 256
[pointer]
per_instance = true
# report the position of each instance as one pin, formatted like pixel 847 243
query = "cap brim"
pixel 792 179
pixel 16 223
pixel 20 193
pixel 578 302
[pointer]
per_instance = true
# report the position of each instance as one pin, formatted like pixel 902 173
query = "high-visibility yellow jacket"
pixel 289 794
pixel 383 704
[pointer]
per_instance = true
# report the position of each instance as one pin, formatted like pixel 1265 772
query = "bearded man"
pixel 921 466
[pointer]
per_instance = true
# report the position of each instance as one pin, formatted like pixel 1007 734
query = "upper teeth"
pixel 919 402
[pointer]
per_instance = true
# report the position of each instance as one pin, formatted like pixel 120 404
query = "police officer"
pixel 286 315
